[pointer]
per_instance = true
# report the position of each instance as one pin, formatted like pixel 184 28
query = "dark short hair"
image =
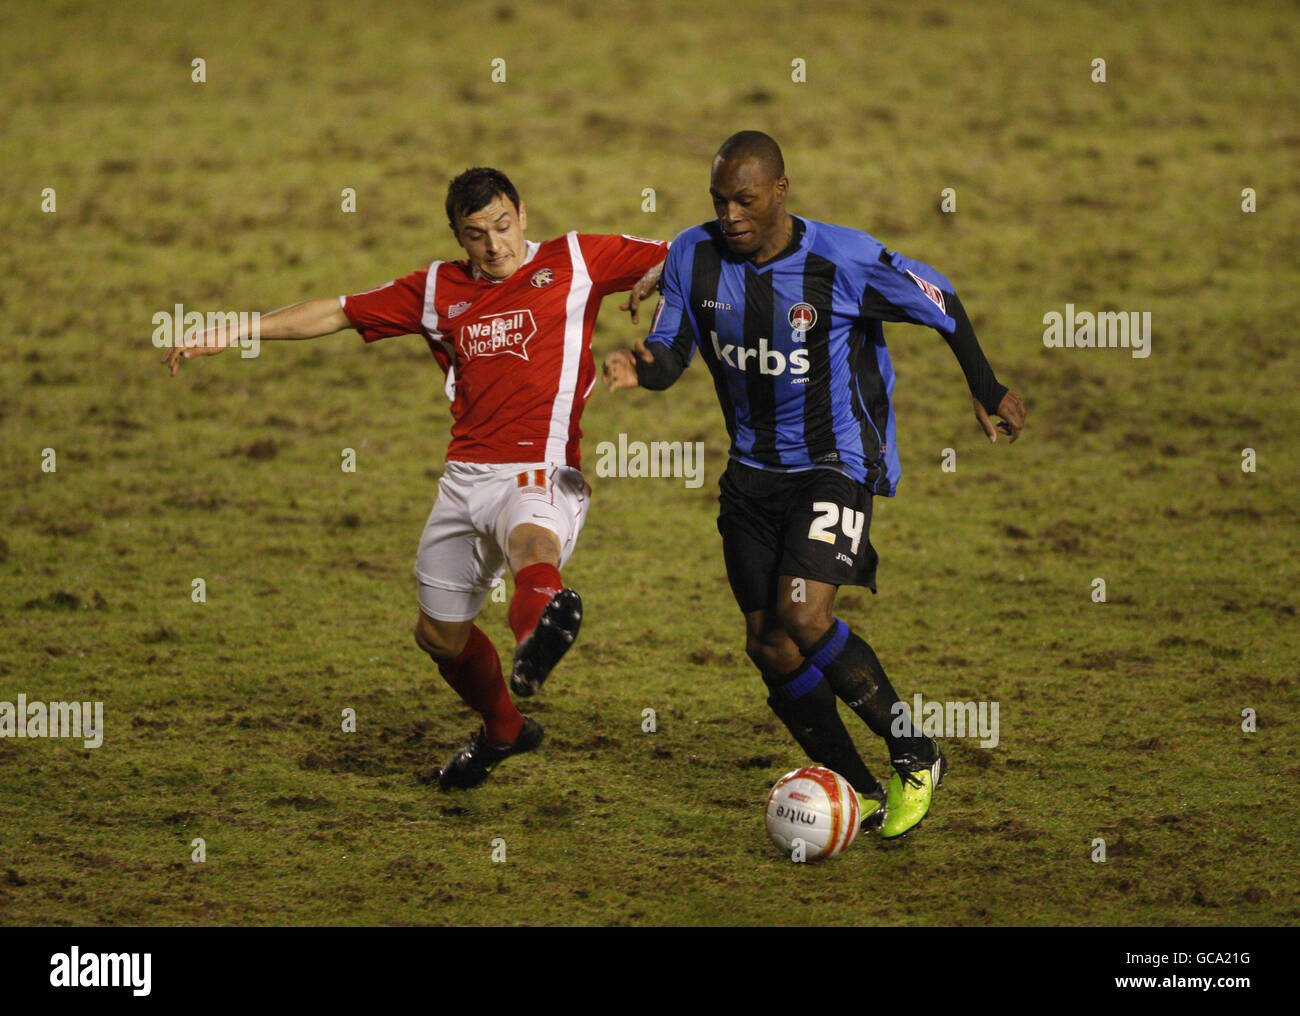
pixel 754 145
pixel 474 189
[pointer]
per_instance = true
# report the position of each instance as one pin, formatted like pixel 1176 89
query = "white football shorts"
pixel 462 551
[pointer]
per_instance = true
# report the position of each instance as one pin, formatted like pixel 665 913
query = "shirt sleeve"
pixel 616 262
pixel 898 288
pixel 901 289
pixel 395 308
pixel 673 332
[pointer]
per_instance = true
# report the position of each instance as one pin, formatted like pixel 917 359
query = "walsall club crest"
pixel 542 278
pixel 802 317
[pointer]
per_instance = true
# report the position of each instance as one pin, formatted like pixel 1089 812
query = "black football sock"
pixel 805 703
pixel 856 676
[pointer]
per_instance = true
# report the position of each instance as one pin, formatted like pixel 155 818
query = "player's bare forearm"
pixel 644 286
pixel 309 319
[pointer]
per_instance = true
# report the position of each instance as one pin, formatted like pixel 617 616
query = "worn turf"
pixel 1120 721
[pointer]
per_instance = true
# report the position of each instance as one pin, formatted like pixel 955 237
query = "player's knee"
pixel 535 552
pixel 772 652
pixel 440 641
pixel 804 623
pixel 529 545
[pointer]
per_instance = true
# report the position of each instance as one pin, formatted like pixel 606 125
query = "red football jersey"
pixel 517 353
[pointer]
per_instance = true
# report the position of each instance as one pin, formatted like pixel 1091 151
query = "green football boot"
pixel 911 787
pixel 871 812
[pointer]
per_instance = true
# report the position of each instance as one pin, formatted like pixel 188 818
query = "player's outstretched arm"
pixel 307 320
pixel 1012 412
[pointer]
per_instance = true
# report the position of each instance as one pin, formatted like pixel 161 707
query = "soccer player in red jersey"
pixel 511 326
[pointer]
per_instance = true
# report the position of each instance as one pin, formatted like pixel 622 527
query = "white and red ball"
pixel 817 806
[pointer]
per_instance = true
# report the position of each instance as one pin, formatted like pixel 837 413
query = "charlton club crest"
pixel 802 317
pixel 542 278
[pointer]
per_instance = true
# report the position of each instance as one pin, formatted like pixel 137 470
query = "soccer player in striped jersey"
pixel 787 314
pixel 511 326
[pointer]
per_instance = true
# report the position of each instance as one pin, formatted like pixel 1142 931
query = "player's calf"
pixel 805 703
pixel 475 675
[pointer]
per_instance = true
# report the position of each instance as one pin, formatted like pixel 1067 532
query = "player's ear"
pixel 782 188
pixel 523 217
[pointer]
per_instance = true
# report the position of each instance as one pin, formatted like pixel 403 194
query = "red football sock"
pixel 475 675
pixel 534 587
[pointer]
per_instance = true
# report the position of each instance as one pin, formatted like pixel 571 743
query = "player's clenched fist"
pixel 620 366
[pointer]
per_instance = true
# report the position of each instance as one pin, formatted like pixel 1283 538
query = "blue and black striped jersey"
pixel 796 347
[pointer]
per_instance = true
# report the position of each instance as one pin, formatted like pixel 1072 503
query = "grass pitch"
pixel 1120 721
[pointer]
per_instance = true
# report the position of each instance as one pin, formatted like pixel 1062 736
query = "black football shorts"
pixel 813 524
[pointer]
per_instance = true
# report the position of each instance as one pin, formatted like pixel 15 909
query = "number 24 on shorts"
pixel 828 513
